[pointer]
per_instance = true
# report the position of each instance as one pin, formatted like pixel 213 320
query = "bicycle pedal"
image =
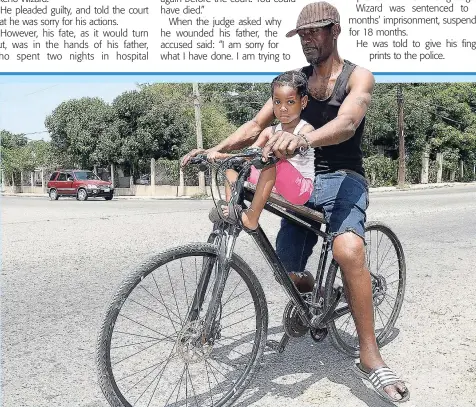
pixel 327 315
pixel 318 334
pixel 276 346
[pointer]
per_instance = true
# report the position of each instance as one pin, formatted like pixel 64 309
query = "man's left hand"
pixel 283 144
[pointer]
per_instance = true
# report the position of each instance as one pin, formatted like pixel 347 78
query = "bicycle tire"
pixel 335 334
pixel 105 374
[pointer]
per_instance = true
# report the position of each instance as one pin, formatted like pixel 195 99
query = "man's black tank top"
pixel 344 156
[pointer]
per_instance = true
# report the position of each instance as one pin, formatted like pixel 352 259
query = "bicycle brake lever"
pixel 260 164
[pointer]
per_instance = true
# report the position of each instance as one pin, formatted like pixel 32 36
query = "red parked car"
pixel 79 183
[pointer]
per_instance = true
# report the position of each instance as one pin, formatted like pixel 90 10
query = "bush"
pixel 167 172
pixel 380 170
pixel 412 169
pixel 433 172
pixel 468 173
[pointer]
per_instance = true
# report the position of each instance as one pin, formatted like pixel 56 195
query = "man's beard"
pixel 314 57
pixel 313 60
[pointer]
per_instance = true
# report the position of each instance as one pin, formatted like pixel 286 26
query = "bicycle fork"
pixel 225 240
pixel 226 246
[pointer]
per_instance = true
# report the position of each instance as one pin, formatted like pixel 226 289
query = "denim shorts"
pixel 343 198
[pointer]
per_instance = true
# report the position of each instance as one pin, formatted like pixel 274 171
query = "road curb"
pixel 412 187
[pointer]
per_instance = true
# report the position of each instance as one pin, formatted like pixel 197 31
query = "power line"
pixel 41 90
pixel 32 93
pixel 35 132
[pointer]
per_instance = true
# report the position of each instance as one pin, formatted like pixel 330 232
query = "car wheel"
pixel 82 195
pixel 108 198
pixel 54 195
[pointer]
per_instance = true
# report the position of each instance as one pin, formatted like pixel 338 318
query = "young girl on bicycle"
pixel 293 178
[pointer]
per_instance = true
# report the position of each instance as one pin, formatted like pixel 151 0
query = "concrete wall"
pixel 32 190
pixel 165 191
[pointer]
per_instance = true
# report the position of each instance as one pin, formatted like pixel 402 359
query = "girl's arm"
pixel 306 129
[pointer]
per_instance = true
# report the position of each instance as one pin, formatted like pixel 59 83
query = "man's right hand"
pixel 186 158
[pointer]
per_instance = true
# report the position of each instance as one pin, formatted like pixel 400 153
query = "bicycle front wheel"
pixel 386 263
pixel 152 350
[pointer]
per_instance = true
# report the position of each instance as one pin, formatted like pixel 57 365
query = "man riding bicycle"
pixel 339 96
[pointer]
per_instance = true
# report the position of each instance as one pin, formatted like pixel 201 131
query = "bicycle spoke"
pixel 347 320
pixel 388 295
pixel 219 371
pixel 394 281
pixel 239 309
pixel 141 336
pixel 152 310
pixel 171 394
pixel 145 377
pixel 193 389
pixel 235 337
pixel 134 354
pixel 391 264
pixel 196 282
pixel 150 329
pixel 161 373
pixel 235 323
pixel 380 315
pixel 209 385
pixel 235 297
pixel 135 343
pixel 169 311
pixel 173 293
pixel 234 289
pixel 155 365
pixel 183 278
pixel 378 246
pixel 388 302
pixel 178 391
pixel 384 257
pixel 218 383
pixel 159 301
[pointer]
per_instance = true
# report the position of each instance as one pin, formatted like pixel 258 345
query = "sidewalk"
pixel 412 187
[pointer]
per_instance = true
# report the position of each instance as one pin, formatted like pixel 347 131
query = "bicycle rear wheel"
pixel 386 263
pixel 151 354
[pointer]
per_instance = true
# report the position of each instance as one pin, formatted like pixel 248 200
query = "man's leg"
pixel 294 247
pixel 349 251
pixel 345 200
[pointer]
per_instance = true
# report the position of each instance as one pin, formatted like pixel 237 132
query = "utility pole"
pixel 198 127
pixel 401 139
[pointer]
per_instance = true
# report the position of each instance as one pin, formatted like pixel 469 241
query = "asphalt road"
pixel 62 261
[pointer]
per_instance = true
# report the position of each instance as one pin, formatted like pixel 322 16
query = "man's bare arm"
pixel 350 114
pixel 338 130
pixel 248 133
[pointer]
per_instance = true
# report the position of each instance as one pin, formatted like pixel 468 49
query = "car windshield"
pixel 86 175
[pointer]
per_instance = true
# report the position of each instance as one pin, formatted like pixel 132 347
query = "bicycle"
pixel 195 345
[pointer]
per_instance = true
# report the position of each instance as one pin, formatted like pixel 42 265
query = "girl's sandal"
pixel 234 217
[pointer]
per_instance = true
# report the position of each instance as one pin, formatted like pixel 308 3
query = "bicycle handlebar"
pixel 254 155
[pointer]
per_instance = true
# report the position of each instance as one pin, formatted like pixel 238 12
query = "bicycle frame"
pixel 224 237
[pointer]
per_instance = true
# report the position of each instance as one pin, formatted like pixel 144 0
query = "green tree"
pixel 76 127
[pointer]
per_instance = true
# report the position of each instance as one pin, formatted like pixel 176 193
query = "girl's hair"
pixel 294 79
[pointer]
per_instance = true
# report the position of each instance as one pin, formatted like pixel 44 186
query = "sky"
pixel 24 106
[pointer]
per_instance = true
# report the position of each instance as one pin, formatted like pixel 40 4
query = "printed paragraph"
pixel 196 33
pixel 421 31
pixel 46 33
pixel 180 36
